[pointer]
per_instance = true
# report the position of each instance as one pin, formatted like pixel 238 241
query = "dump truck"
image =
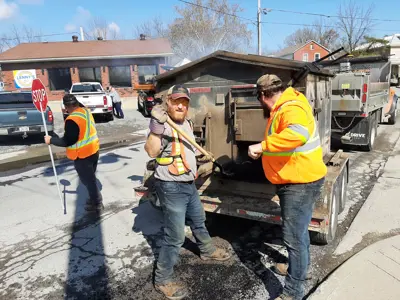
pixel 360 99
pixel 228 118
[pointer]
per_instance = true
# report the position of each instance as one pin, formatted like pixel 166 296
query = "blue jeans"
pixel 297 204
pixel 180 204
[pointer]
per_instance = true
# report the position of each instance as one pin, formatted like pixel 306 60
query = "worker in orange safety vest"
pixel 292 159
pixel 82 143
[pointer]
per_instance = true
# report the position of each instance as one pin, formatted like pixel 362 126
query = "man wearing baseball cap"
pixel 292 159
pixel 175 173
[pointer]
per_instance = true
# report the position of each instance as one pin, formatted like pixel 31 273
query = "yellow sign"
pixel 345 86
pixel 23 78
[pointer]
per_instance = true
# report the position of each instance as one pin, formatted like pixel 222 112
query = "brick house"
pixel 309 52
pixel 121 63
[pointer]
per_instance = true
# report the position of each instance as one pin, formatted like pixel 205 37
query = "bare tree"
pixel 17 36
pixel 208 26
pixel 154 28
pixel 355 21
pixel 100 28
pixel 322 32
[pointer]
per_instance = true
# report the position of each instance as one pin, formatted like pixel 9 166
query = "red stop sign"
pixel 39 95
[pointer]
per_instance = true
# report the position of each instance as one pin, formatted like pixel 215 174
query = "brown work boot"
pixel 281 269
pixel 219 255
pixel 172 290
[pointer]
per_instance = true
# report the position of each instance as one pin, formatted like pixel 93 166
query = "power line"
pixel 326 16
pixel 219 11
pixel 36 36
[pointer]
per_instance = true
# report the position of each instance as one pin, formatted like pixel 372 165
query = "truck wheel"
pixel 393 115
pixel 343 189
pixel 324 238
pixel 373 131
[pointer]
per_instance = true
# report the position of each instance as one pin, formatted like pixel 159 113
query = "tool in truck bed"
pixel 228 118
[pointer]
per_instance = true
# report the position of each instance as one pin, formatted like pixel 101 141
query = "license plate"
pixel 23 129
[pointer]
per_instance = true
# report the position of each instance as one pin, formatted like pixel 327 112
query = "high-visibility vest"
pixel 176 162
pixel 303 164
pixel 88 141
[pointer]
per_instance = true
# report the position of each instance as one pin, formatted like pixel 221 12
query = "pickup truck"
pixel 18 115
pixel 93 97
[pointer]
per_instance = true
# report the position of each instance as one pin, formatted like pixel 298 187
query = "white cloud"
pixel 114 27
pixel 7 9
pixel 81 17
pixel 31 2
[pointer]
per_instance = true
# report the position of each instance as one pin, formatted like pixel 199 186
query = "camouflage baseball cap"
pixel 268 81
pixel 178 91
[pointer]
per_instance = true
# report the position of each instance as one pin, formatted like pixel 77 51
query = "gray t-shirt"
pixel 162 172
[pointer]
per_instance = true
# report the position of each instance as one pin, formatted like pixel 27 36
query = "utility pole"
pixel 259 26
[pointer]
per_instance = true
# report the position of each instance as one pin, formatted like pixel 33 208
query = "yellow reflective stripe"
pixel 165 160
pixel 310 146
pixel 301 131
pixel 84 142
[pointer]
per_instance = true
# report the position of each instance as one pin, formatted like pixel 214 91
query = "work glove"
pixel 205 158
pixel 158 117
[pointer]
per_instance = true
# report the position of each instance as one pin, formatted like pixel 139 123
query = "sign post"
pixel 39 98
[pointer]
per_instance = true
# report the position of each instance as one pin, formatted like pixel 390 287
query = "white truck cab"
pixel 94 97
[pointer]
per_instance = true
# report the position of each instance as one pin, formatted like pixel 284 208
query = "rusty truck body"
pixel 361 99
pixel 228 118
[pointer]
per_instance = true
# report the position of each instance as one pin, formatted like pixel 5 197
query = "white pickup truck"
pixel 94 97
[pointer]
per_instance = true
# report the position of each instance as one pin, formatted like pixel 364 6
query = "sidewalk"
pixel 374 272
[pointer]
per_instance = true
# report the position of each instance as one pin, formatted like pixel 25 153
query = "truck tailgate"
pixel 91 100
pixel 20 116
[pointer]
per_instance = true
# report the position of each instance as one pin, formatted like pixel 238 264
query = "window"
pixel 90 75
pixel 312 47
pixel 16 100
pixel 60 79
pixel 147 73
pixel 305 56
pixel 86 88
pixel 317 56
pixel 120 76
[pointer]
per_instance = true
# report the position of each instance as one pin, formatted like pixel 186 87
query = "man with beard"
pixel 292 159
pixel 175 172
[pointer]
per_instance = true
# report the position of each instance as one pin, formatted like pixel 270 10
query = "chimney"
pixel 75 38
pixel 142 37
pixel 99 38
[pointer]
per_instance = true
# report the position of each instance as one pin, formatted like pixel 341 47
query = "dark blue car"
pixel 18 115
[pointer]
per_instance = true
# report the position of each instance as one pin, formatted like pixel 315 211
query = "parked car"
pixel 92 96
pixel 18 115
pixel 146 102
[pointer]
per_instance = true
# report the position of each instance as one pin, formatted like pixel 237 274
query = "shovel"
pixel 193 142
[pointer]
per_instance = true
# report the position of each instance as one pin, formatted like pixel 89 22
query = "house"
pixel 309 52
pixel 123 64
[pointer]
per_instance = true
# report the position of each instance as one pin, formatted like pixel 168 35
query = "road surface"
pixel 45 254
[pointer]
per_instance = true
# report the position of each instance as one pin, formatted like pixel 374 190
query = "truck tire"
pixel 343 189
pixel 373 131
pixel 324 238
pixel 393 114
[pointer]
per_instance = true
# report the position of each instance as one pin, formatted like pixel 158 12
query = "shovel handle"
pixel 186 136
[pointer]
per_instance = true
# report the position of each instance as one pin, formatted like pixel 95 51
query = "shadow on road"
pixel 19 141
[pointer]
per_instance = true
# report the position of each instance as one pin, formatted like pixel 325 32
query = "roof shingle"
pixel 103 49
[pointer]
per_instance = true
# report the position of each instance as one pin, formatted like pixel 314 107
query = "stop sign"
pixel 39 95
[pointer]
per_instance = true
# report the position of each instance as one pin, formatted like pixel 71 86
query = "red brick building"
pixel 308 52
pixel 120 63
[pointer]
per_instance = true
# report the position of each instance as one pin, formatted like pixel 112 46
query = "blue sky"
pixel 60 16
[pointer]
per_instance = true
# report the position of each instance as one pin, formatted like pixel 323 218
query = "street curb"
pixel 19 163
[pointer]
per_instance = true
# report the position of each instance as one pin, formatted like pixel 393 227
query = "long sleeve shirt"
pixel 71 135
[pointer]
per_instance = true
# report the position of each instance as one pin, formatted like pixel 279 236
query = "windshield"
pixel 11 98
pixel 87 88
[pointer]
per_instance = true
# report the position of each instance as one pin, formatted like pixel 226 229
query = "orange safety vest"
pixel 302 164
pixel 88 141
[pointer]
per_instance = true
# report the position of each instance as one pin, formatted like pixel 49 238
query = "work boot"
pixel 172 290
pixel 281 269
pixel 92 207
pixel 219 255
